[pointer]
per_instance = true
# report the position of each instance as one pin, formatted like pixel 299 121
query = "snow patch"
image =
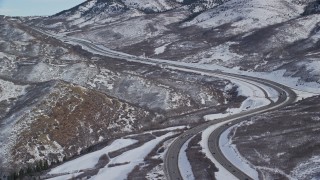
pixel 255 99
pixel 10 90
pixel 246 15
pixel 67 176
pixel 161 49
pixel 222 173
pixel 309 168
pixel 219 53
pixel 90 160
pixel 184 164
pixel 132 157
pixel 230 151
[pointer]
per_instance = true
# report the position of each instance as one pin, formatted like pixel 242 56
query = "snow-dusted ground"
pixel 159 170
pixel 255 99
pixel 160 49
pixel 10 90
pixel 248 104
pixel 184 164
pixel 272 93
pixel 248 14
pixel 155 5
pixel 222 173
pixel 173 128
pixel 67 176
pixel 219 53
pixel 230 151
pixel 90 160
pixel 133 157
pixel 313 66
pixel 307 167
pixel 304 94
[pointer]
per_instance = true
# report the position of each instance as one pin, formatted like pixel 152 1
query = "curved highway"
pixel 171 159
pixel 213 141
pixel 172 172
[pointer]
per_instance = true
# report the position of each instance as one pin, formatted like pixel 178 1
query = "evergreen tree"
pixel 15 176
pixel 45 165
pixel 29 170
pixel 21 173
pixel 38 166
pixel 64 159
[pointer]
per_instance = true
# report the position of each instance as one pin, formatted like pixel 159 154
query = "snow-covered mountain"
pixel 253 35
pixel 100 12
pixel 58 100
pixel 43 80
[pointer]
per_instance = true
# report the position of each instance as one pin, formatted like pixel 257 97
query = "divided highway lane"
pixel 171 159
pixel 213 141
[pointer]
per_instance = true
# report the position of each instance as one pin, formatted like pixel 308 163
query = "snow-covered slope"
pixel 150 5
pixel 245 15
pixel 279 37
pixel 99 12
pixel 245 34
pixel 88 13
pixel 57 100
pixel 55 119
pixel 282 144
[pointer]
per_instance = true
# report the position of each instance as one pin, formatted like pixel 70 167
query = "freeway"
pixel 171 168
pixel 171 160
pixel 213 141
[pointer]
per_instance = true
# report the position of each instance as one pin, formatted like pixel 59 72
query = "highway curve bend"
pixel 172 172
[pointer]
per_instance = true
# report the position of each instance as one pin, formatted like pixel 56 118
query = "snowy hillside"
pixel 282 144
pixel 151 6
pixel 68 94
pixel 57 119
pixel 99 12
pixel 58 100
pixel 245 34
pixel 244 15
